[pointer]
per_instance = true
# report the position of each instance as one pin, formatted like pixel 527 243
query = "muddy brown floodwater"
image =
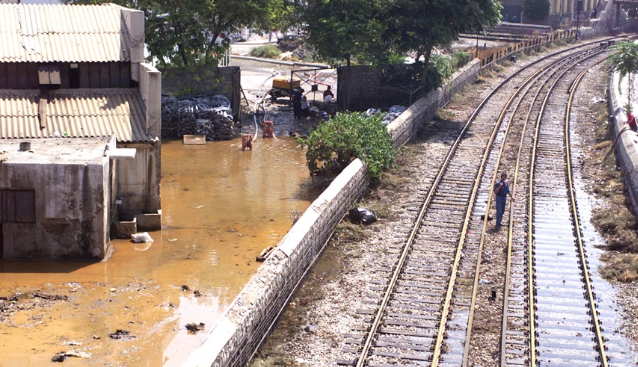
pixel 221 207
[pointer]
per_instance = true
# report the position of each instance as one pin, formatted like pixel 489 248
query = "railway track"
pixel 418 313
pixel 564 307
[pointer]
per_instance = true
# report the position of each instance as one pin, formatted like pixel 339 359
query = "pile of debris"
pixel 208 115
pixel 390 116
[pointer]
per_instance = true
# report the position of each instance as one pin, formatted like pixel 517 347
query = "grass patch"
pixel 391 180
pixel 621 267
pixel 278 357
pixel 379 208
pixel 444 115
pixel 480 80
pixel 266 51
pixel 487 74
pixel 497 68
pixel 349 232
pixel 521 56
pixel 469 91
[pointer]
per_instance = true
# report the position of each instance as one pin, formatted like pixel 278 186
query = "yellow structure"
pixel 284 83
pixel 567 6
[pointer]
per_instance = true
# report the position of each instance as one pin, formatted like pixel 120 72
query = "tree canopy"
pixel 420 25
pixel 340 29
pixel 372 31
pixel 188 32
pixel 625 62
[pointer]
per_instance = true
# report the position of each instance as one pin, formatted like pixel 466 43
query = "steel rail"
pixel 373 329
pixel 406 249
pixel 466 222
pixel 485 217
pixel 415 228
pixel 510 240
pixel 450 289
pixel 493 180
pixel 530 231
pixel 581 248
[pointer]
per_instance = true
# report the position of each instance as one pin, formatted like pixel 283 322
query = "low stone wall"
pixel 252 314
pixel 626 148
pixel 408 123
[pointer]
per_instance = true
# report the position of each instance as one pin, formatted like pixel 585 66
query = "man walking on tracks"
pixel 501 190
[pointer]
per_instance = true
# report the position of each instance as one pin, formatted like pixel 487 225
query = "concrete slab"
pixel 194 139
pixel 149 222
pixel 124 229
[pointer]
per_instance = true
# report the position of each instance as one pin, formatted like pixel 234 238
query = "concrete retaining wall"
pixel 408 123
pixel 250 317
pixel 626 148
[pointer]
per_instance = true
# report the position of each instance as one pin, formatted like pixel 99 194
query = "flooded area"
pixel 221 208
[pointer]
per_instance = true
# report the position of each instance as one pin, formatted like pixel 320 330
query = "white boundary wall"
pixel 626 145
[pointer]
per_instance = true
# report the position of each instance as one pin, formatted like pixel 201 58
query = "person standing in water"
pixel 501 190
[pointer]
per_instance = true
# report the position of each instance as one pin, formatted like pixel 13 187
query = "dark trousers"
pixel 297 110
pixel 500 208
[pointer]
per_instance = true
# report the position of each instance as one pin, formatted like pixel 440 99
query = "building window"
pixel 17 206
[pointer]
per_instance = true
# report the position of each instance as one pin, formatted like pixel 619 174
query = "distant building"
pixel 564 13
pixel 561 12
pixel 569 7
pixel 74 85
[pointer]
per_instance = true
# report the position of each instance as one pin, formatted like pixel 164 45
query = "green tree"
pixel 344 29
pixel 337 142
pixel 189 32
pixel 536 9
pixel 625 62
pixel 420 25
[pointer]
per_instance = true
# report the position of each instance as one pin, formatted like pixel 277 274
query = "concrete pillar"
pixel 151 91
pixel 134 21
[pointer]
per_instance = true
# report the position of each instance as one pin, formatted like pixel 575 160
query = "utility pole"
pixel 579 8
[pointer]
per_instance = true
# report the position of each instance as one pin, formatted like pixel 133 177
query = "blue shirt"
pixel 503 191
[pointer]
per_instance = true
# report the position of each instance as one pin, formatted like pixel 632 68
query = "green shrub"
pixel 266 51
pixel 461 58
pixel 337 142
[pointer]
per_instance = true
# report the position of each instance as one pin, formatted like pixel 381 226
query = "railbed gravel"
pixel 322 314
pixel 333 314
pixel 624 294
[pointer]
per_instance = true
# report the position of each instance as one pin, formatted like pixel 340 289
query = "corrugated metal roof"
pixel 80 113
pixel 62 33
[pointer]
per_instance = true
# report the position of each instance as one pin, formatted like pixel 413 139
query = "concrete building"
pixel 561 12
pixel 564 13
pixel 77 73
pixel 54 198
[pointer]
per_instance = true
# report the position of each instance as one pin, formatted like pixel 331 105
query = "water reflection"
pixel 221 207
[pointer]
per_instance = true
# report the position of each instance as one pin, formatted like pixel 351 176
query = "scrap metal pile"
pixel 208 115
